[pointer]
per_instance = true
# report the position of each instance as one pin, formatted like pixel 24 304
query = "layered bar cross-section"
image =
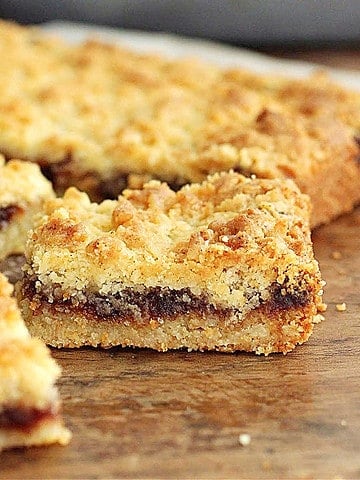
pixel 29 400
pixel 226 265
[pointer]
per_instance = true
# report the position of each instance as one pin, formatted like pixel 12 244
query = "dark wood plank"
pixel 138 413
pixel 145 414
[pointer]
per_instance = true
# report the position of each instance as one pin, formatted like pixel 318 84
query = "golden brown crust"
pixel 27 379
pixel 93 113
pixel 231 241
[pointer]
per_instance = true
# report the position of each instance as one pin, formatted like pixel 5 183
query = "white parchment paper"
pixel 174 46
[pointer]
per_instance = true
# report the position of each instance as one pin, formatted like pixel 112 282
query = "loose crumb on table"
pixel 340 307
pixel 244 439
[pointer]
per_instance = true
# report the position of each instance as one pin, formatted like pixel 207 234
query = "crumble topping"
pixel 21 184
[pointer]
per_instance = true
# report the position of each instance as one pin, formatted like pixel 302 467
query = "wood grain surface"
pixel 143 414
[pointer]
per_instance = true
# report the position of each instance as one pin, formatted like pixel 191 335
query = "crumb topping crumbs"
pixel 108 109
pixel 21 183
pixel 341 307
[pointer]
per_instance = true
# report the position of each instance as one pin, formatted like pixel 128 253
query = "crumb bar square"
pixel 224 265
pixel 29 401
pixel 23 190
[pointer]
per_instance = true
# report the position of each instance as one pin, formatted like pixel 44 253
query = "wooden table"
pixel 139 413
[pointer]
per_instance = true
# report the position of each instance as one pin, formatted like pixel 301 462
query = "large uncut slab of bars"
pixel 100 117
